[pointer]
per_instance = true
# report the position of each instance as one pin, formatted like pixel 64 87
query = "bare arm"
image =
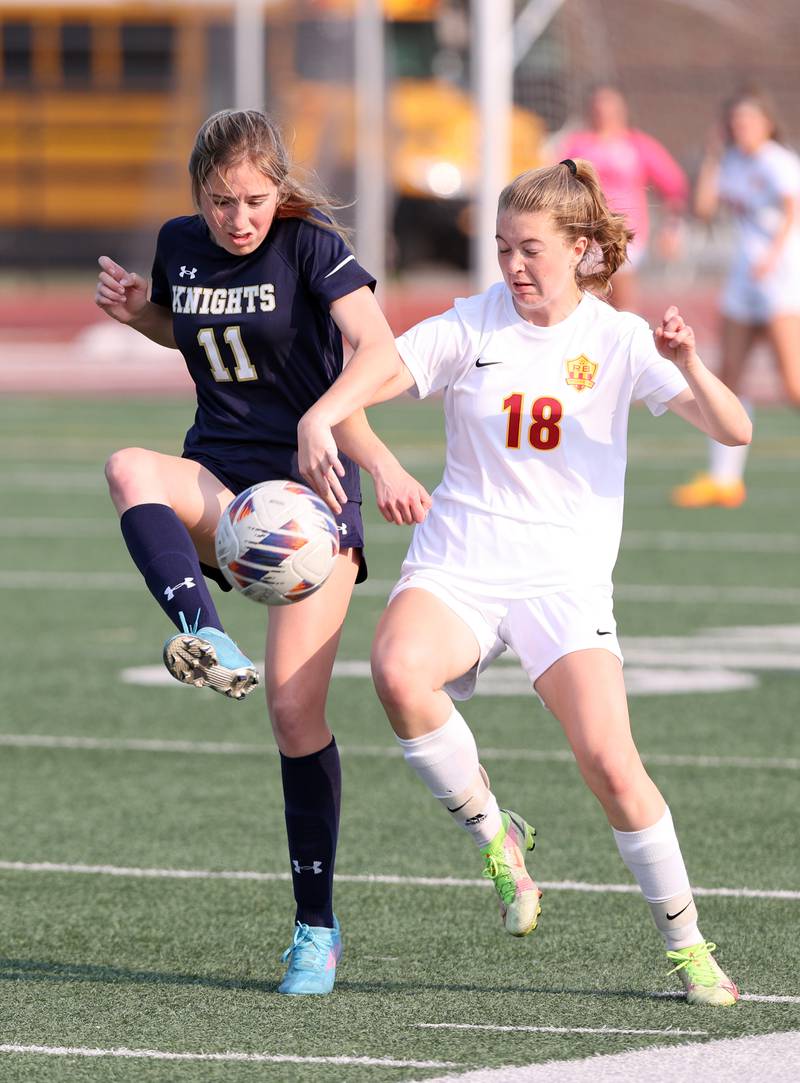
pixel 400 497
pixel 374 362
pixel 122 295
pixel 770 257
pixel 707 403
pixel 706 193
pixel 706 196
pixel 394 387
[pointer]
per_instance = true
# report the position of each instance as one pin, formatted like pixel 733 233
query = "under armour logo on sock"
pixel 315 867
pixel 169 592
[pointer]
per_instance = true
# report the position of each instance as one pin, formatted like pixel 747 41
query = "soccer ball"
pixel 276 542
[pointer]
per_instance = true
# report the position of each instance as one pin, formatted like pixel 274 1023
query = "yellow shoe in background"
pixel 731 494
pixel 704 491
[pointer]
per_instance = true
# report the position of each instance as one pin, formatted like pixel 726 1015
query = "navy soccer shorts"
pixel 349 521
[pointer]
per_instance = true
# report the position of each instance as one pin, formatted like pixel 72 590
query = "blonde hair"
pixel 233 136
pixel 570 193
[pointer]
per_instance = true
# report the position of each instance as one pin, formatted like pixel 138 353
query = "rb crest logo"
pixel 581 373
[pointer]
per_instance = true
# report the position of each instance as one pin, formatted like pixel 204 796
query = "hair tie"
pixel 568 162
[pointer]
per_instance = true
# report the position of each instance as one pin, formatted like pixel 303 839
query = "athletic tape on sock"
pixel 468 807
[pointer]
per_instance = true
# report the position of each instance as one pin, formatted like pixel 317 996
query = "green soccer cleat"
pixel 704 980
pixel 209 656
pixel 505 865
pixel 312 957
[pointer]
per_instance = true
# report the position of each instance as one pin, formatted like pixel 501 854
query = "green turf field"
pixel 128 777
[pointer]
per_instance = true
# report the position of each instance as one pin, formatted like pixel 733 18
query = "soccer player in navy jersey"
pixel 257 291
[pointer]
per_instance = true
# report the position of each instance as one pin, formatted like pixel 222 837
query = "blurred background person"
pixel 629 162
pixel 748 171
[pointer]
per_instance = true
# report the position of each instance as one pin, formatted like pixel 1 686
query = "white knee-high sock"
pixel 653 855
pixel 726 464
pixel 447 762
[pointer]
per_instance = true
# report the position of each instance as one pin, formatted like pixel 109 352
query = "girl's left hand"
pixel 764 267
pixel 675 339
pixel 318 462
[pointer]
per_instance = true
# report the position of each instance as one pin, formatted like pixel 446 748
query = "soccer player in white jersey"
pixel 758 180
pixel 518 548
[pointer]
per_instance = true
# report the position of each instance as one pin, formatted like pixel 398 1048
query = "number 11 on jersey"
pixel 244 370
pixel 544 433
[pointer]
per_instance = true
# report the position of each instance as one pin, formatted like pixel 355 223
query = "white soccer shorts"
pixel 539 630
pixel 750 300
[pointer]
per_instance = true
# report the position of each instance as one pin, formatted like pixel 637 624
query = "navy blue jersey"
pixel 257 336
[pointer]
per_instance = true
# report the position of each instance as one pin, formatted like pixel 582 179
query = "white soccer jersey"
pixel 755 186
pixel 536 423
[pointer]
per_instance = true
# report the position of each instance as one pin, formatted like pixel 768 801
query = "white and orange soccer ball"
pixel 276 542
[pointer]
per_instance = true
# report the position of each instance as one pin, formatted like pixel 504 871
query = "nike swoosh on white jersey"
pixel 339 266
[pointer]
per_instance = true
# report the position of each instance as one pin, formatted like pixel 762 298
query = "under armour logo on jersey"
pixel 315 867
pixel 187 271
pixel 169 592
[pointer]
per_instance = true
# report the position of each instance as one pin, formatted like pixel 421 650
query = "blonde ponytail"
pixel 570 193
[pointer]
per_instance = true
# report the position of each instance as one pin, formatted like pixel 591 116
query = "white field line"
pixel 669 1032
pixel 713 542
pixel 374 588
pixel 384 534
pixel 239 1058
pixel 41 527
pixel 142 873
pixel 692 595
pixel 41 580
pixel 230 748
pixel 759 1057
pixel 759 998
pixel 58 527
pixel 665 540
pixel 55 481
pixel 649 495
pixel 505 680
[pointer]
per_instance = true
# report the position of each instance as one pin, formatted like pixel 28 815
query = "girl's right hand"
pixel 714 143
pixel 120 293
pixel 318 461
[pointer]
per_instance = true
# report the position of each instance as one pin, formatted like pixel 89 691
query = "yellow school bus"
pixel 100 101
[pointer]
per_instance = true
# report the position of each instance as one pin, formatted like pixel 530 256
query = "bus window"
pixel 148 55
pixel 412 50
pixel 324 51
pixel 76 54
pixel 17 55
pixel 218 46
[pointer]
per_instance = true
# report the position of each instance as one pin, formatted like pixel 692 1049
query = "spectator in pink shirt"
pixel 628 163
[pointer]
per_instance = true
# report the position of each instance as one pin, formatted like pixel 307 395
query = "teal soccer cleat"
pixel 209 656
pixel 312 957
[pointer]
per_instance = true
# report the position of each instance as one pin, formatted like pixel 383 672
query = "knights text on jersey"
pixel 257 336
pixel 536 432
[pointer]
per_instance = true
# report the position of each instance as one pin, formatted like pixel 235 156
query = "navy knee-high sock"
pixel 312 789
pixel 163 551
